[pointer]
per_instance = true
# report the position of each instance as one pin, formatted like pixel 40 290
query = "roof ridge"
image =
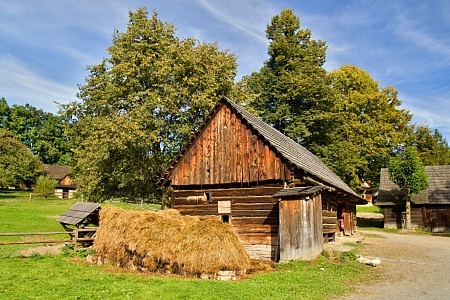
pixel 293 151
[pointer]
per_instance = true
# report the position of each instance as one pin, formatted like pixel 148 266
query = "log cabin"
pixel 65 186
pixel 282 200
pixel 430 209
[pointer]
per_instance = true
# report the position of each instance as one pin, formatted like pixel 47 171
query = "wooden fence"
pixel 78 236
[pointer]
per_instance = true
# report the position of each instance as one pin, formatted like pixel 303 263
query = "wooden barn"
pixel 430 209
pixel 65 186
pixel 282 200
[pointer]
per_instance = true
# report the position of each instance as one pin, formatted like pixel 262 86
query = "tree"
pixel 291 86
pixel 45 186
pixel 431 146
pixel 407 171
pixel 18 166
pixel 43 133
pixel 140 105
pixel 361 128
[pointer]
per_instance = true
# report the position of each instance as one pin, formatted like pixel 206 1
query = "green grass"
pixel 369 209
pixel 66 277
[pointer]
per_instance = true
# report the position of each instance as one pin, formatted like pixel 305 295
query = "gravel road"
pixel 413 267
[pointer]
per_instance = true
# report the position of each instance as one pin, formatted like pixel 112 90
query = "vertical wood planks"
pixel 227 152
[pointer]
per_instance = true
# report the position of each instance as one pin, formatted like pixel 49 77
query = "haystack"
pixel 166 240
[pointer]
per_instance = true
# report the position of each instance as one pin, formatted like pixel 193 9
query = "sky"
pixel 46 46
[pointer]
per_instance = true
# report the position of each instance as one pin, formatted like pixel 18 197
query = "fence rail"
pixel 79 235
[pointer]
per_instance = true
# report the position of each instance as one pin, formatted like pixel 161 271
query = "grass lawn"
pixel 67 276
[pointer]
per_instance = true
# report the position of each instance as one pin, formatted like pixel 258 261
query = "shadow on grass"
pixel 371 223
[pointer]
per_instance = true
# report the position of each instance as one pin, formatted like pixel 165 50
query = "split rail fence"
pixel 79 236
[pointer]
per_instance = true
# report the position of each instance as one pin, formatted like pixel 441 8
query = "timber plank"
pixel 327 213
pixel 245 156
pixel 255 220
pixel 253 228
pixel 254 206
pixel 262 163
pixel 258 239
pixel 255 213
pixel 329 220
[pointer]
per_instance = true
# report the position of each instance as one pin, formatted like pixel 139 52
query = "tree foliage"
pixel 291 86
pixel 431 146
pixel 18 166
pixel 407 171
pixel 140 105
pixel 43 133
pixel 344 117
pixel 45 186
pixel 362 128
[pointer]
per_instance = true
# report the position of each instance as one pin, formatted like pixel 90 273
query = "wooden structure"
pixel 235 168
pixel 81 222
pixel 65 186
pixel 430 209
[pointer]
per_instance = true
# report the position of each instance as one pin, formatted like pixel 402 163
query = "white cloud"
pixel 247 17
pixel 20 85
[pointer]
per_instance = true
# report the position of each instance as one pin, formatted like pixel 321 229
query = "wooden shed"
pixel 430 209
pixel 273 191
pixel 65 186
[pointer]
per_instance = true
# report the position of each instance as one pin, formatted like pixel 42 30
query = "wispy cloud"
pixel 246 17
pixel 21 85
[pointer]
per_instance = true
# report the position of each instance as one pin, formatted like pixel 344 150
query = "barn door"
pixel 347 224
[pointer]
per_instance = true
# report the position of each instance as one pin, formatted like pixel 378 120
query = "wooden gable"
pixel 227 151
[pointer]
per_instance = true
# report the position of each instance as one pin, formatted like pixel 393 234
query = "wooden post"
pixel 75 238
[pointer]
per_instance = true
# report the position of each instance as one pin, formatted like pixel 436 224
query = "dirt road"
pixel 413 267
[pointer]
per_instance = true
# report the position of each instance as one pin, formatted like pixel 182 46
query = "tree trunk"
pixel 408 213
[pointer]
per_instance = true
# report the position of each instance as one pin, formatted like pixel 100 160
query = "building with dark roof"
pixel 430 208
pixel 282 200
pixel 65 186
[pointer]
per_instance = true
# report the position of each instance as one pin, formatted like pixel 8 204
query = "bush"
pixel 45 186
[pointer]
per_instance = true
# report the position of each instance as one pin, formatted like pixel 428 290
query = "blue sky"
pixel 45 46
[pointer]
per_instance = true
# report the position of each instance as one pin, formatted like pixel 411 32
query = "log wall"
pixel 253 213
pixel 228 152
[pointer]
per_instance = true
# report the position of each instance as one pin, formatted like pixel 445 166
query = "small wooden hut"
pixel 65 187
pixel 282 200
pixel 430 209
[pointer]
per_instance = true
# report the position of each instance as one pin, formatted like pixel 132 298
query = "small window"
pixel 208 197
pixel 225 218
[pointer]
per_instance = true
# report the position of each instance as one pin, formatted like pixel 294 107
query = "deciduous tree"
pixel 45 186
pixel 43 133
pixel 141 104
pixel 18 166
pixel 362 127
pixel 431 146
pixel 407 171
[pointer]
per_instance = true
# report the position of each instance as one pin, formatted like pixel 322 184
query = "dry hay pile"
pixel 166 241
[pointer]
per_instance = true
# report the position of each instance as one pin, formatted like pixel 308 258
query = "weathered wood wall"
pixel 66 181
pixel 329 224
pixel 301 235
pixel 254 214
pixel 394 216
pixel 228 152
pixel 436 218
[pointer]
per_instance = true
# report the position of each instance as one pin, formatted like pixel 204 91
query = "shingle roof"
pixel 297 191
pixel 292 151
pixel 438 191
pixel 57 172
pixel 78 213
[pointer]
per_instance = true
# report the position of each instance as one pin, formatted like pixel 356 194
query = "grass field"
pixel 67 276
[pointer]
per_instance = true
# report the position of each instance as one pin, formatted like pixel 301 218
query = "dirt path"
pixel 413 267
